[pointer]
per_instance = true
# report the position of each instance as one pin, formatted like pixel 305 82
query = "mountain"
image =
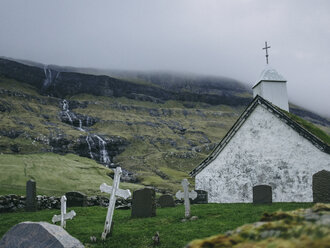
pixel 156 125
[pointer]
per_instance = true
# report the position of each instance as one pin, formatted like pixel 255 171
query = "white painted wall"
pixel 265 150
pixel 274 92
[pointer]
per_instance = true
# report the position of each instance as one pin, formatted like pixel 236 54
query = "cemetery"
pixel 161 221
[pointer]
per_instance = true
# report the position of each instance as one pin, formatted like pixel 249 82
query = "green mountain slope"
pixel 156 130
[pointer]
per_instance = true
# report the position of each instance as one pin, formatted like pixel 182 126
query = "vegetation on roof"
pixel 310 127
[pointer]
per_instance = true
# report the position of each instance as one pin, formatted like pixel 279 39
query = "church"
pixel 265 146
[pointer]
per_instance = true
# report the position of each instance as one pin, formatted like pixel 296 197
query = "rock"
pixel 38 235
pixel 194 218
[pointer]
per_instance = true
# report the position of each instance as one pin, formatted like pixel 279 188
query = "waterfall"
pixel 48 76
pixel 89 146
pixel 104 157
pixel 66 110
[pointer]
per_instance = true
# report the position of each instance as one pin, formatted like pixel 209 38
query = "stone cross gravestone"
pixel 186 195
pixel 31 202
pixel 262 194
pixel 144 203
pixel 76 199
pixel 64 216
pixel 115 191
pixel 321 186
pixel 202 197
pixel 166 201
pixel 38 235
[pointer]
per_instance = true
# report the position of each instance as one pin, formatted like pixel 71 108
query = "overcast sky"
pixel 215 37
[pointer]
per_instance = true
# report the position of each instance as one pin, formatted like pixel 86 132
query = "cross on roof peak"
pixel 266 48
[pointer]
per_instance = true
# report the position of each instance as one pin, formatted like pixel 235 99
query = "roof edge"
pixel 258 100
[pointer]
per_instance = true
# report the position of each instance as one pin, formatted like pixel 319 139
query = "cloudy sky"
pixel 216 37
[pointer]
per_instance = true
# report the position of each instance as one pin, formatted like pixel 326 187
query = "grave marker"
pixel 321 186
pixel 166 201
pixel 76 199
pixel 186 195
pixel 64 216
pixel 144 203
pixel 202 197
pixel 31 202
pixel 262 194
pixel 114 191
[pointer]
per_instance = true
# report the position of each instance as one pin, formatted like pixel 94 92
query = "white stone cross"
pixel 115 192
pixel 186 195
pixel 64 216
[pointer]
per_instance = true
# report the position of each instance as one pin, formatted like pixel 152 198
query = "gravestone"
pixel 144 203
pixel 262 194
pixel 186 195
pixel 202 197
pixel 64 215
pixel 38 235
pixel 76 199
pixel 31 201
pixel 114 192
pixel 321 186
pixel 166 201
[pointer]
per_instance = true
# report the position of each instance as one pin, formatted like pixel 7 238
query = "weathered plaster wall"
pixel 264 151
pixel 275 92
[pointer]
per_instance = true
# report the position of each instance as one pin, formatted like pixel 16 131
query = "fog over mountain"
pixel 221 38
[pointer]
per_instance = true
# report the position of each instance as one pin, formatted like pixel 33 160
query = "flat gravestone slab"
pixel 38 235
pixel 144 203
pixel 202 197
pixel 166 201
pixel 76 199
pixel 321 186
pixel 31 201
pixel 262 194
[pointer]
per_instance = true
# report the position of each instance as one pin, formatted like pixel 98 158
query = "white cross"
pixel 114 191
pixel 64 216
pixel 186 195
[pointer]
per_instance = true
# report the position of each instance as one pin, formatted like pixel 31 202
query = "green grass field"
pixel 127 232
pixel 55 174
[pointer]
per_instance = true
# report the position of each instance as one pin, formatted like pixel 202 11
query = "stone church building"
pixel 264 147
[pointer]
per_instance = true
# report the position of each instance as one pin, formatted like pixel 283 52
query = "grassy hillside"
pixel 127 232
pixel 54 174
pixel 166 140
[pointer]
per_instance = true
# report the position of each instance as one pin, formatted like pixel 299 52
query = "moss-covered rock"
pixel 298 228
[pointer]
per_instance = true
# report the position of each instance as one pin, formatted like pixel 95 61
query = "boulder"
pixel 38 235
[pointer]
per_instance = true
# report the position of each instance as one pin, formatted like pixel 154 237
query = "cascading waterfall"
pixel 103 153
pixel 66 110
pixel 104 157
pixel 80 128
pixel 48 76
pixel 89 146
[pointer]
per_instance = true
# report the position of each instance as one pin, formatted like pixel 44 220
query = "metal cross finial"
pixel 266 48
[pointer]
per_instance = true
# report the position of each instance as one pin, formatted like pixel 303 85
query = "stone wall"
pixel 12 203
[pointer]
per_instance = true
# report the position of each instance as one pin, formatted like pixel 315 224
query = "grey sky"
pixel 214 37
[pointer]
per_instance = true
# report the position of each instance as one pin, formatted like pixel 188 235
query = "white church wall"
pixel 275 92
pixel 264 151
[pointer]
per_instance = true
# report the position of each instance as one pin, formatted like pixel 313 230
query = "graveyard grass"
pixel 138 232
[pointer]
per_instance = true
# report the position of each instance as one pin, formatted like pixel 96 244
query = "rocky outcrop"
pixel 98 147
pixel 57 83
pixel 298 228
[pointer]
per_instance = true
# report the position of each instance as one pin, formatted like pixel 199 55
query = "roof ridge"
pixel 243 117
